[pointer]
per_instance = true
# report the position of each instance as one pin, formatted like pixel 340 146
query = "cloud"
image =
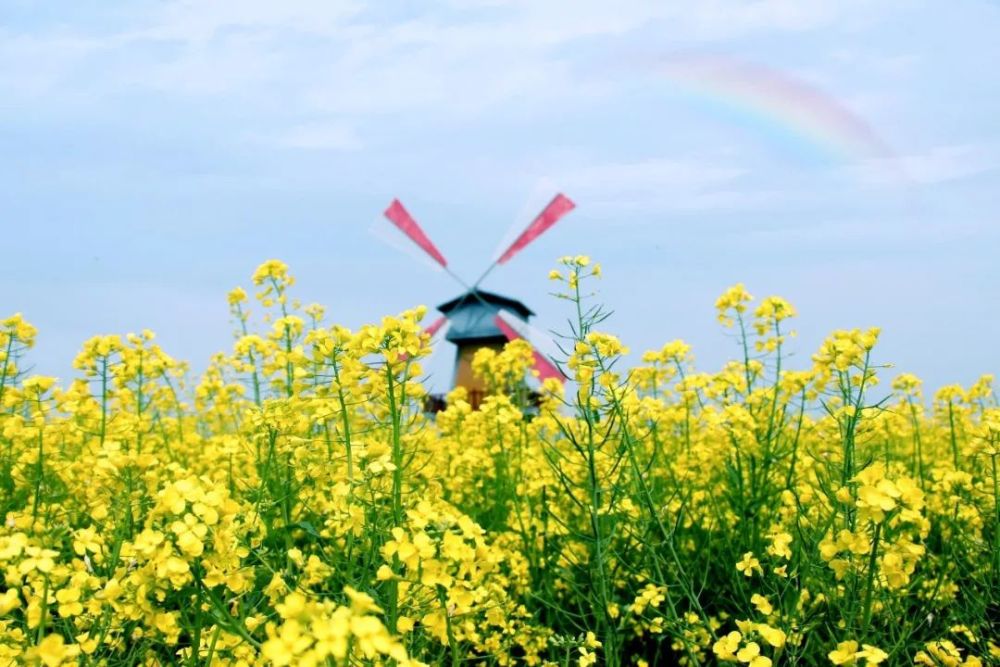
pixel 651 176
pixel 661 184
pixel 33 65
pixel 199 22
pixel 352 57
pixel 716 19
pixel 948 163
pixel 893 65
pixel 320 137
pixel 883 233
pixel 940 164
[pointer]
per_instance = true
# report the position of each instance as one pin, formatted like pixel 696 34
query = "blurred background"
pixel 844 156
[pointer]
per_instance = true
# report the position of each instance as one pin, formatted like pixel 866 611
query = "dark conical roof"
pixel 471 315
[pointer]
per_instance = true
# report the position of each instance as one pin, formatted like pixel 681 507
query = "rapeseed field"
pixel 295 505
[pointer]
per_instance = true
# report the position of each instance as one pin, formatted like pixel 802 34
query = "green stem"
pixel 104 398
pixel 6 364
pixel 951 429
pixel 872 563
pixel 452 644
pixel 39 466
pixel 345 422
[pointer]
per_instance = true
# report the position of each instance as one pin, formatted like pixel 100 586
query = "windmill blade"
pixel 535 200
pixel 437 328
pixel 538 338
pixel 545 367
pixel 550 215
pixel 387 233
pixel 401 218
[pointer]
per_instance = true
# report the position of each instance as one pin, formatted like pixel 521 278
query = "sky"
pixel 843 155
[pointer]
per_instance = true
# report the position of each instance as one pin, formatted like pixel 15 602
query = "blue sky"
pixel 153 153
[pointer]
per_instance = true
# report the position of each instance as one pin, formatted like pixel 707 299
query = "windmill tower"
pixel 477 318
pixel 472 326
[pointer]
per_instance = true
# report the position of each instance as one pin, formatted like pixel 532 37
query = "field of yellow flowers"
pixel 295 505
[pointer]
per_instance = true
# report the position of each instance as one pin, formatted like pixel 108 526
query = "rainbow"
pixel 791 112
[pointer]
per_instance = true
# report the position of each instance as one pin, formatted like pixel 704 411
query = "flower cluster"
pixel 295 504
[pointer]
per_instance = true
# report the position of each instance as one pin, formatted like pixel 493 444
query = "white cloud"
pixel 894 65
pixel 661 185
pixel 230 65
pixel 651 175
pixel 715 19
pixel 557 22
pixel 346 56
pixel 939 164
pixel 33 65
pixel 320 137
pixel 199 22
pixel 948 163
pixel 908 227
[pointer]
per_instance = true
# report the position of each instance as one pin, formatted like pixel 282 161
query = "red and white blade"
pixel 438 328
pixel 401 218
pixel 514 328
pixel 386 232
pixel 550 215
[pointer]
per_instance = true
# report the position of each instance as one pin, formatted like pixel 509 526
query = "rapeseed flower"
pixel 295 504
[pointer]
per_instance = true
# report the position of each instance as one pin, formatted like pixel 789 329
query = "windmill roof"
pixel 471 315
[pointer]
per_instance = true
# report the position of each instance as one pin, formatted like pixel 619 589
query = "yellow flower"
pixel 725 647
pixel 236 296
pixel 734 299
pixel 774 309
pixel 69 601
pixel 872 654
pixel 773 636
pixel 748 565
pixel 53 651
pixel 302 463
pixel 780 544
pixel 190 532
pixel 587 658
pixel 763 606
pixel 272 269
pixel 9 601
pixel 845 654
pixel 38 384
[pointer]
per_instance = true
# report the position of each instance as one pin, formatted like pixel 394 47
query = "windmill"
pixel 476 318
